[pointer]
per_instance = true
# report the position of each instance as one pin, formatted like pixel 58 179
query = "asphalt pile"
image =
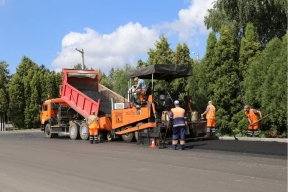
pixel 105 104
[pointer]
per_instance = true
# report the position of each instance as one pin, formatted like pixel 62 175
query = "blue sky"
pixel 111 32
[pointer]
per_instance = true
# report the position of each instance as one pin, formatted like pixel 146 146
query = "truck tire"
pixel 100 137
pixel 109 136
pixel 84 131
pixel 136 132
pixel 48 131
pixel 128 137
pixel 74 131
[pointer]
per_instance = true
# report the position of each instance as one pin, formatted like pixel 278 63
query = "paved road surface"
pixel 30 162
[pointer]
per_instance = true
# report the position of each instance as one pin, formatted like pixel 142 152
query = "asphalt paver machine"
pixel 159 103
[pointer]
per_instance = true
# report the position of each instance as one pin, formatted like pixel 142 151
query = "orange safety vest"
pixel 178 115
pixel 211 112
pixel 252 116
pixel 92 122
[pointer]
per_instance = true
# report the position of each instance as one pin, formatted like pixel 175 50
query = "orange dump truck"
pixel 81 93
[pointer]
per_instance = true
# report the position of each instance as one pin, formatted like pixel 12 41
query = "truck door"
pixel 44 113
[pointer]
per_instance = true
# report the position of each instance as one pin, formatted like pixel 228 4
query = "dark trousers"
pixel 179 132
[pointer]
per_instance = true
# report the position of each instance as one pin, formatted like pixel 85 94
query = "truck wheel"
pixel 109 136
pixel 128 137
pixel 74 130
pixel 100 137
pixel 136 132
pixel 84 131
pixel 48 131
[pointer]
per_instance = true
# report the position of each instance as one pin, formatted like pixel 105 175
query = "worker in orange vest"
pixel 93 125
pixel 179 117
pixel 252 117
pixel 210 116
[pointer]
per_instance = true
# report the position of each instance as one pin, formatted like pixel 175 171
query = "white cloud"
pixel 190 21
pixel 103 51
pixel 129 42
pixel 2 2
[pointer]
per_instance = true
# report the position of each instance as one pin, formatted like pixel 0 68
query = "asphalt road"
pixel 31 162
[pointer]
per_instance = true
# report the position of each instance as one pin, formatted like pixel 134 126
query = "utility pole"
pixel 82 52
pixel 197 55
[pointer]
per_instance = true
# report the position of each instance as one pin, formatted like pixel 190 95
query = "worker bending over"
pixel 252 117
pixel 179 117
pixel 93 125
pixel 210 116
pixel 141 85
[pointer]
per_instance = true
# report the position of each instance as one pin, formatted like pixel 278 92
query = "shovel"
pixel 259 120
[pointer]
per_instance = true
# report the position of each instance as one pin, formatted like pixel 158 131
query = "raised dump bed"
pixel 83 92
pixel 74 82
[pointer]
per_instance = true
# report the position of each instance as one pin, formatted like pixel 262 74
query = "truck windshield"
pixel 54 105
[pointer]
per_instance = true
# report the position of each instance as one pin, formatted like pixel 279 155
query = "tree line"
pixel 245 63
pixel 22 92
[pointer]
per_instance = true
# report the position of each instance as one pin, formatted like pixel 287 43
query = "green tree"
pixel 249 50
pixel 181 57
pixel 4 92
pixel 257 72
pixel 140 64
pixel 111 73
pixel 79 66
pixel 162 54
pixel 26 64
pixel 104 80
pixel 17 101
pixel 225 89
pixel 197 85
pixel 274 93
pixel 268 17
pixel 28 86
pixel 33 114
pixel 209 65
pixel 182 54
pixel 121 82
pixel 27 97
pixel 20 92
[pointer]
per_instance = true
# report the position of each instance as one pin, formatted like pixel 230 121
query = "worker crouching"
pixel 179 117
pixel 93 125
pixel 251 114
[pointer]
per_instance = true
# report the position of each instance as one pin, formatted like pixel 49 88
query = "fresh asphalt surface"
pixel 31 162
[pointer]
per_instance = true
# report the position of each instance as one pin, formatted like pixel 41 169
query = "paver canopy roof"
pixel 161 71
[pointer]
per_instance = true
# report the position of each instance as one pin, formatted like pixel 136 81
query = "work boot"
pixel 174 147
pixel 207 135
pixel 91 139
pixel 182 147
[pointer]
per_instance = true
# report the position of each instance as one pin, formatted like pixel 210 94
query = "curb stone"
pixel 281 140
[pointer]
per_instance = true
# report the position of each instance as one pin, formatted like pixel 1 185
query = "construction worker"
pixel 210 116
pixel 253 121
pixel 179 117
pixel 141 85
pixel 93 127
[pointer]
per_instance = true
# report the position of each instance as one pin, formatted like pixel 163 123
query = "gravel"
pixel 105 104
